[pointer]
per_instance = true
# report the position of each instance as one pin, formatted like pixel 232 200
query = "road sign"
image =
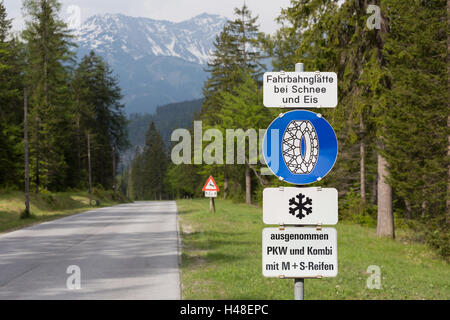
pixel 211 194
pixel 300 206
pixel 210 185
pixel 300 89
pixel 300 147
pixel 299 252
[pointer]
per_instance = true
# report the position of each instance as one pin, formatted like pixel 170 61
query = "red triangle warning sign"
pixel 210 185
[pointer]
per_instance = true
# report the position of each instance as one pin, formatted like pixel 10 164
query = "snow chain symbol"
pixel 300 206
pixel 300 147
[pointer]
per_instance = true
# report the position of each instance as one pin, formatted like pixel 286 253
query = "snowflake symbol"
pixel 300 206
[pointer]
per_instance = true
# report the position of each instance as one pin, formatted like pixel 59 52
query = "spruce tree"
pixel 149 167
pixel 11 107
pixel 416 130
pixel 48 58
pixel 155 163
pixel 237 52
pixel 98 109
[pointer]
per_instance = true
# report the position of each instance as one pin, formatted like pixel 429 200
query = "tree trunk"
pixel 89 167
pixel 373 196
pixel 248 185
pixel 408 214
pixel 447 217
pixel 37 151
pixel 385 221
pixel 114 169
pixel 45 55
pixel 78 145
pixel 45 156
pixel 25 140
pixel 362 155
pixel 225 183
pixel 263 182
pixel 244 38
pixel 424 209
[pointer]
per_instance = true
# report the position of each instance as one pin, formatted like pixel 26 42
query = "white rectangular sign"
pixel 300 206
pixel 211 194
pixel 300 89
pixel 299 252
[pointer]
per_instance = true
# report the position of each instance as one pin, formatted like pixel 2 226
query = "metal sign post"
pixel 299 289
pixel 299 283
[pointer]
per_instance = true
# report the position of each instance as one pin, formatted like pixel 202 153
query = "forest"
pixel 392 119
pixel 167 118
pixel 52 104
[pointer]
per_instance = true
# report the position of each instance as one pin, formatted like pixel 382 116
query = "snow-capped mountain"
pixel 157 61
pixel 189 40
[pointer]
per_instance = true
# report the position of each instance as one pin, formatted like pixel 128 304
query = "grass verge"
pixel 221 259
pixel 48 206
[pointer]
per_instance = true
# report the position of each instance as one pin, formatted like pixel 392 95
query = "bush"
pixel 352 208
pixel 437 235
pixel 7 189
pixel 25 215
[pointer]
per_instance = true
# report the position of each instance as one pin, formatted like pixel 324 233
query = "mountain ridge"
pixel 157 61
pixel 162 37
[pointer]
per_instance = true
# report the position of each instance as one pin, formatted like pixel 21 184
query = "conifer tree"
pixel 416 120
pixel 11 111
pixel 98 109
pixel 237 49
pixel 237 52
pixel 242 109
pixel 48 57
pixel 155 163
pixel 149 167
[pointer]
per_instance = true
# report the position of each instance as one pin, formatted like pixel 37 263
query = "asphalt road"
pixel 130 251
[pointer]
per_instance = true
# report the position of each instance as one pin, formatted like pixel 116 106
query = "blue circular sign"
pixel 300 147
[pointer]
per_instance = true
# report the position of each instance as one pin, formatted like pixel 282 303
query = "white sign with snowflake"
pixel 300 206
pixel 299 252
pixel 300 89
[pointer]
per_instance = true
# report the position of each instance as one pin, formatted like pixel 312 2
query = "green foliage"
pixel 437 234
pixel 183 181
pixel 11 115
pixel 167 118
pixel 97 110
pixel 353 209
pixel 236 50
pixel 149 168
pixel 393 101
pixel 65 102
pixel 48 61
pixel 416 129
pixel 393 97
pixel 233 98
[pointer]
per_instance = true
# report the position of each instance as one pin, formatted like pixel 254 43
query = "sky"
pixel 171 10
